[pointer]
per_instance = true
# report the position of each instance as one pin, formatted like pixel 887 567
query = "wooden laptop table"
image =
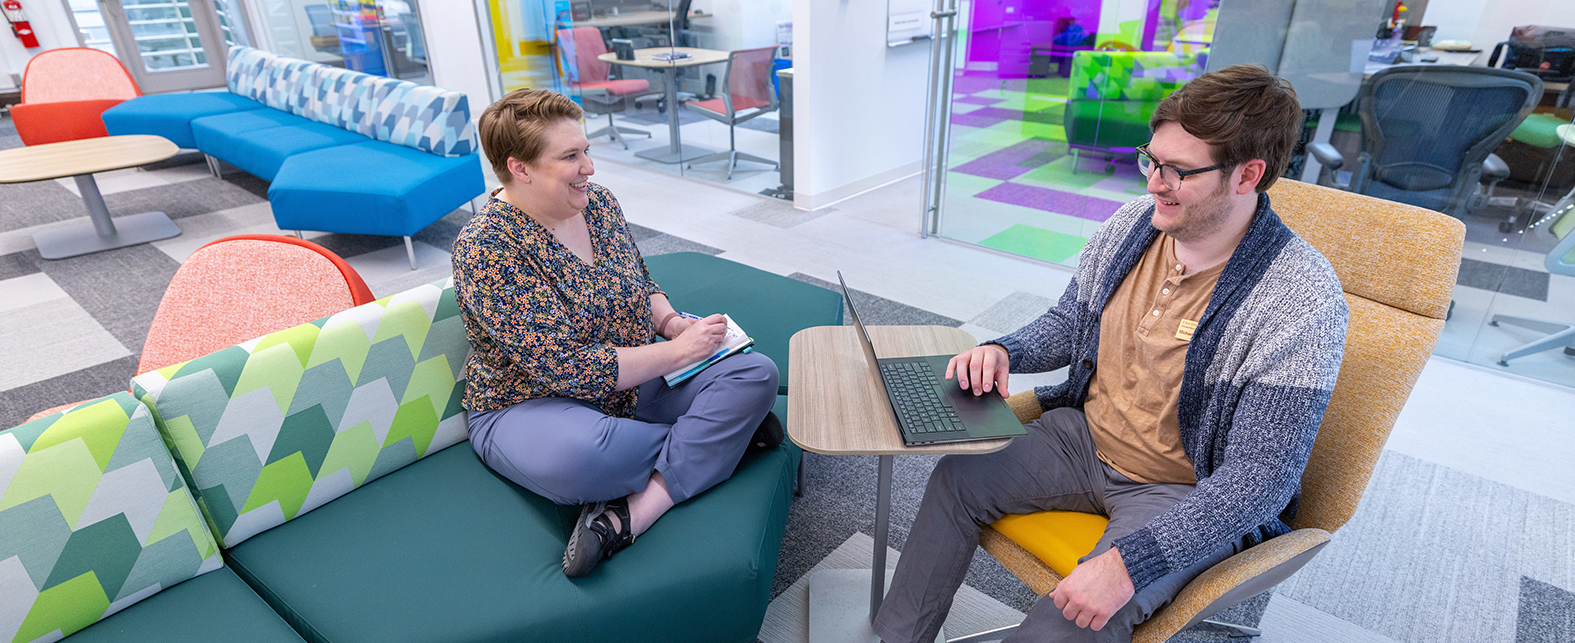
pixel 837 406
pixel 79 160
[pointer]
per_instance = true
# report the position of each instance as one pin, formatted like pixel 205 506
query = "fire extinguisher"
pixel 20 27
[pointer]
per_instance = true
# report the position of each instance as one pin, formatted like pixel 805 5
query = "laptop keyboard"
pixel 919 407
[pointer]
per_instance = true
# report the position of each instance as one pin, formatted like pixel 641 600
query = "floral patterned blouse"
pixel 542 322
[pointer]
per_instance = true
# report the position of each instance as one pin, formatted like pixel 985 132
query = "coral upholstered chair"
pixel 580 47
pixel 64 92
pixel 1397 266
pixel 240 288
pixel 749 94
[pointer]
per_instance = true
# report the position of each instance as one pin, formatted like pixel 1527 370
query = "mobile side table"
pixel 676 151
pixel 79 160
pixel 837 406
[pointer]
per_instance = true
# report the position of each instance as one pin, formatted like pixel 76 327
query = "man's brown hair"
pixel 513 126
pixel 1243 112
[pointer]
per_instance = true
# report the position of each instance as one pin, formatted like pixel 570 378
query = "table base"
pixel 665 153
pixel 839 607
pixel 78 236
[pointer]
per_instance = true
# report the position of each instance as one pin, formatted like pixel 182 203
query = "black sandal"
pixel 769 435
pixel 594 539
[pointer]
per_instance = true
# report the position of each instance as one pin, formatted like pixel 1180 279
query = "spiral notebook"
pixel 735 341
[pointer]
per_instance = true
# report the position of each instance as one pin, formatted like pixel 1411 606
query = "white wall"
pixel 741 24
pixel 1488 22
pixel 858 106
pixel 52 26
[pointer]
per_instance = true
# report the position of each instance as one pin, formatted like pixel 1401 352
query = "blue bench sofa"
pixel 343 151
pixel 329 465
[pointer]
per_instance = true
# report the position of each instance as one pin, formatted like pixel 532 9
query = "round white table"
pixel 79 160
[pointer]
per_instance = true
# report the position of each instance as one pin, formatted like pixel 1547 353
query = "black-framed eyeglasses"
pixel 1169 175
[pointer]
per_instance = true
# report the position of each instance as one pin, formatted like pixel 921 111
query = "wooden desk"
pixel 79 160
pixel 675 152
pixel 836 406
pixel 629 19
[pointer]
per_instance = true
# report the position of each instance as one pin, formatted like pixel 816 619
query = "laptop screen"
pixel 864 336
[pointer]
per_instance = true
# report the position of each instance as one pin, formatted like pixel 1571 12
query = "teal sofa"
pixel 343 151
pixel 329 464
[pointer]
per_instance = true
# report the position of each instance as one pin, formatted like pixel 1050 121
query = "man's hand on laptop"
pixel 1094 591
pixel 982 369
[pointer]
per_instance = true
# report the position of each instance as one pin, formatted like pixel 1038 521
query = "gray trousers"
pixel 571 453
pixel 1053 467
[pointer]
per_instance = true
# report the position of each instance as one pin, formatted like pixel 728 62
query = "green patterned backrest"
pixel 1128 75
pixel 94 517
pixel 278 426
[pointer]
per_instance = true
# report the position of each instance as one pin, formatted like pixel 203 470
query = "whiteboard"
pixel 908 21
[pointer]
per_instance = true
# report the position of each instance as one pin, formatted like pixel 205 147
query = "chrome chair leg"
pixel 410 251
pixel 1236 631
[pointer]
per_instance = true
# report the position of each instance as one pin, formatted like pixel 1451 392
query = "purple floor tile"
pixel 969 84
pixel 974 121
pixel 976 100
pixel 1004 163
pixel 1056 201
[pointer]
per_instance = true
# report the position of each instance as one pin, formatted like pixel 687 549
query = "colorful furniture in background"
pixel 344 151
pixel 1398 297
pixel 748 94
pixel 1113 93
pixel 590 77
pixel 65 90
pixel 1428 134
pixel 240 288
pixel 98 525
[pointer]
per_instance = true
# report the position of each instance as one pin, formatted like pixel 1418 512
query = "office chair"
pixel 1397 265
pixel 1559 227
pixel 65 92
pixel 1428 132
pixel 681 36
pixel 580 46
pixel 748 94
pixel 242 287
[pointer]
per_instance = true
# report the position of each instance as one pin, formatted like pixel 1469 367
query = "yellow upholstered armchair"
pixel 1397 266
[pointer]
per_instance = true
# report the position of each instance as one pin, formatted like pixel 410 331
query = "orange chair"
pixel 240 288
pixel 579 47
pixel 65 92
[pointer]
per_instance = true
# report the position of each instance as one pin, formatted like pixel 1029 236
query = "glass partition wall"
pixel 1038 104
pixel 688 86
pixel 378 37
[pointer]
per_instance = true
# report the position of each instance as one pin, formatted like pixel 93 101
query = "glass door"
pixel 168 45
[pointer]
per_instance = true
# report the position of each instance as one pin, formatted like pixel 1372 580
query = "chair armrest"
pixel 1494 168
pixel 1238 578
pixel 1026 406
pixel 1326 155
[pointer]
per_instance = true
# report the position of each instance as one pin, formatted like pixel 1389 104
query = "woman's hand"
pixel 983 367
pixel 700 338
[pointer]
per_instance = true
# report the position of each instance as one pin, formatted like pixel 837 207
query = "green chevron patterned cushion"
pixel 278 426
pixel 94 517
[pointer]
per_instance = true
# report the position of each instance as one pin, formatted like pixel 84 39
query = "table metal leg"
pixel 882 522
pixel 676 151
pixel 73 238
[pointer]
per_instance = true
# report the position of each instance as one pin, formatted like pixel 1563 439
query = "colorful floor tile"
pixel 1038 243
pixel 1057 201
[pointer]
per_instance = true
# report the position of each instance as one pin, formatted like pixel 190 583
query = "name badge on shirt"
pixel 1184 330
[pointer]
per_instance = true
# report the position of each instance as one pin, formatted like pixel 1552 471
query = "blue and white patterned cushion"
pixel 430 119
pixel 289 82
pixel 377 92
pixel 246 72
pixel 338 91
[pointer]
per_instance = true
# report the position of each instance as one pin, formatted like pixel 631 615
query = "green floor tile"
pixel 1059 173
pixel 1037 243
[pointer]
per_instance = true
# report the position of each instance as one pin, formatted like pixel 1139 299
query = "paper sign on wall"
pixel 908 21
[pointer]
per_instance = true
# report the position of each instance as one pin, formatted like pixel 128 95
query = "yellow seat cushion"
pixel 1058 538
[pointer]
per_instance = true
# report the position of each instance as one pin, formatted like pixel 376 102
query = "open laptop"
pixel 931 409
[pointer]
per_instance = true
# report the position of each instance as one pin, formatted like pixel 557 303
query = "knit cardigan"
pixel 1259 371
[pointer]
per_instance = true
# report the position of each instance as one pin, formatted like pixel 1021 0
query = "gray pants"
pixel 1053 467
pixel 571 453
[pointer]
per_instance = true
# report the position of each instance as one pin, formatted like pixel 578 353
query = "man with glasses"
pixel 1203 339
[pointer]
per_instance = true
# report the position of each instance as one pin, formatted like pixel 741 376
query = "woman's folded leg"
pixel 567 450
pixel 713 416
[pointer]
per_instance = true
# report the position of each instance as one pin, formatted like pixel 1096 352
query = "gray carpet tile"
pixel 17 404
pixel 18 264
pixel 1547 613
pixel 1013 312
pixel 350 245
pixel 120 288
pixel 8 135
pixel 641 233
pixel 1531 284
pixel 779 213
pixel 662 244
pixel 183 199
pixel 29 204
pixel 253 185
pixel 1434 554
pixel 879 310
